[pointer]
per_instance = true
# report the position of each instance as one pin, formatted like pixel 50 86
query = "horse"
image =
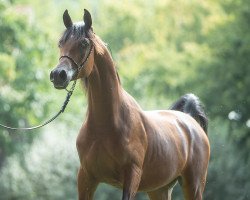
pixel 119 143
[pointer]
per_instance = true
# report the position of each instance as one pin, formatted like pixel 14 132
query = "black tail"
pixel 190 104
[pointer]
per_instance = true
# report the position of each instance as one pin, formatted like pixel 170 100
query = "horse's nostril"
pixel 63 75
pixel 51 76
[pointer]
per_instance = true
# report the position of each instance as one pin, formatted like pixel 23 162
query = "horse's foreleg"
pixel 86 185
pixel 132 178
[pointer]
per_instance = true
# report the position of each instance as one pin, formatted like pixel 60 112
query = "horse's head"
pixel 76 51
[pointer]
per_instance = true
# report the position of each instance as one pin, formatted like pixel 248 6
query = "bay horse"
pixel 119 143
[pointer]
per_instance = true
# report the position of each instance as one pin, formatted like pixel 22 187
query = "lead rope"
pixel 70 92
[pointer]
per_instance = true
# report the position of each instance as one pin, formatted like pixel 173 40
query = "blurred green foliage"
pixel 162 49
pixel 22 48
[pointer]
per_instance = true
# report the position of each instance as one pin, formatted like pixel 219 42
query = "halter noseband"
pixel 79 66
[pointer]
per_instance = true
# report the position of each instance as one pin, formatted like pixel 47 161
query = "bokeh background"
pixel 162 49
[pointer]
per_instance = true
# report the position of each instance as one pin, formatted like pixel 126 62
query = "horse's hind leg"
pixel 162 193
pixel 193 184
pixel 193 176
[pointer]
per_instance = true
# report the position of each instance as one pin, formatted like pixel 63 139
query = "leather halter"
pixel 79 66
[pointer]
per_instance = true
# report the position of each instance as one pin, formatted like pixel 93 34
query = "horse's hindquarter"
pixel 172 139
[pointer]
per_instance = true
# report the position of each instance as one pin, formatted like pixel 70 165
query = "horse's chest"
pixel 102 159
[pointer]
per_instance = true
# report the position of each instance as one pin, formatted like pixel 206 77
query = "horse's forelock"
pixel 78 32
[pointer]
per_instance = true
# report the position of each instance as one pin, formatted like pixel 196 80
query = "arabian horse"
pixel 119 143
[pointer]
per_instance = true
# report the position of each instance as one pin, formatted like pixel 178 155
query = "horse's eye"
pixel 85 42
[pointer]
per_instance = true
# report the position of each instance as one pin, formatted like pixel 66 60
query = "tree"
pixel 226 76
pixel 163 49
pixel 22 49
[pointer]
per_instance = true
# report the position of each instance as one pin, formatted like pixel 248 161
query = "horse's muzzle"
pixel 61 77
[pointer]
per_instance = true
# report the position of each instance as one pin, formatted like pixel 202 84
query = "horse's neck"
pixel 104 92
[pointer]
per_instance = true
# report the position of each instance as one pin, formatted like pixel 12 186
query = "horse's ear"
pixel 67 20
pixel 87 19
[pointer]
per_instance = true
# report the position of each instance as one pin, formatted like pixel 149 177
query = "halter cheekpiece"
pixel 79 66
